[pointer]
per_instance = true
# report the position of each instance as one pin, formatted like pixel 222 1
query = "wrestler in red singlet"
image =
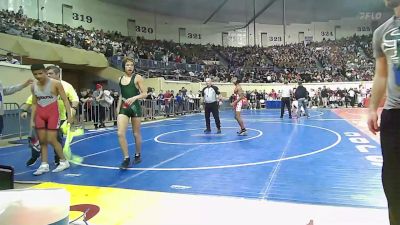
pixel 47 116
pixel 237 106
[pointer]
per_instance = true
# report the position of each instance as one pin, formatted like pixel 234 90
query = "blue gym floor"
pixel 306 161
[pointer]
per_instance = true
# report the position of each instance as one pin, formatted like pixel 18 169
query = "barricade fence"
pixel 12 123
pixel 100 114
pixel 92 113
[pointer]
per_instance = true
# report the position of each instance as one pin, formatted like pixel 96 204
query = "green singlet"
pixel 128 91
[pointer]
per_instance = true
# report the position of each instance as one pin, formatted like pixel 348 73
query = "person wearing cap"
pixel 99 111
pixel 286 94
pixel 301 96
pixel 11 60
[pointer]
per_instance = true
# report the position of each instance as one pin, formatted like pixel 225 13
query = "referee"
pixel 210 95
pixel 285 98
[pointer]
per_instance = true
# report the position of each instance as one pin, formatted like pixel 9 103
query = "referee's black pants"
pixel 212 108
pixel 286 102
pixel 390 141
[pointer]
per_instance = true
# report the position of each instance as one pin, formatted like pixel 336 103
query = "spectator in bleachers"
pixel 347 59
pixel 10 59
pixel 20 12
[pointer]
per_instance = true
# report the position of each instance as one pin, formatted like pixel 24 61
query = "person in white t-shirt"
pixel 311 95
pixel 286 94
pixel 352 97
pixel 363 95
pixel 190 98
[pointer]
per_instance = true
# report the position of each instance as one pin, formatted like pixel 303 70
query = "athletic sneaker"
pixel 35 146
pixel 35 156
pixel 56 159
pixel 43 168
pixel 207 131
pixel 138 159
pixel 243 132
pixel 31 161
pixel 125 164
pixel 240 131
pixel 63 166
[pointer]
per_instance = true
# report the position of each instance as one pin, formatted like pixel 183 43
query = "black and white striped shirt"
pixel 210 94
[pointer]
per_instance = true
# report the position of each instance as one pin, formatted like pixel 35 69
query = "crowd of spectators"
pixel 347 59
pixel 110 43
pixel 322 97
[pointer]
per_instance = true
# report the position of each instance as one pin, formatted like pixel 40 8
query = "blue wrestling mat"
pixel 322 160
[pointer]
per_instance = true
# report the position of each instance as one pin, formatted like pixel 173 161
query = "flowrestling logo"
pixel 363 145
pixel 370 15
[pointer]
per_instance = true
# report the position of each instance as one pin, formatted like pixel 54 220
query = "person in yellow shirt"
pixel 54 73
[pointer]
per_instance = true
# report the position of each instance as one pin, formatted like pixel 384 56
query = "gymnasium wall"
pixel 15 74
pixel 79 79
pixel 103 15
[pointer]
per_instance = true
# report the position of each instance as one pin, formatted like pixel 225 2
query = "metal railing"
pixel 92 112
pixel 13 126
pixel 180 77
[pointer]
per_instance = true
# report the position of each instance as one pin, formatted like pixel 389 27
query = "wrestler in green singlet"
pixel 128 91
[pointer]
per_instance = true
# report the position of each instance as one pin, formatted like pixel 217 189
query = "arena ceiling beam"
pixel 215 11
pixel 259 13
